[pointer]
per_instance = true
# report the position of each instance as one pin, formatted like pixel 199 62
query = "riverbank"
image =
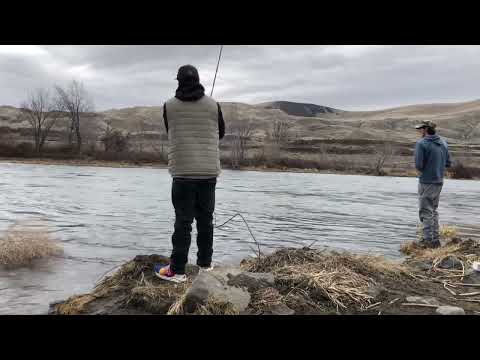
pixel 299 281
pixel 158 165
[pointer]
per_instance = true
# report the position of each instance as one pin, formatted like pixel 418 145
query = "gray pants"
pixel 429 196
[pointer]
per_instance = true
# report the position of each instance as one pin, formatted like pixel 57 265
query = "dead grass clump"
pixel 75 305
pixel 265 298
pixel 342 279
pixel 340 285
pixel 214 306
pixel 457 248
pixel 136 279
pixel 371 265
pixel 134 285
pixel 409 248
pixel 178 307
pixel 462 252
pixel 281 258
pixel 156 299
pixel 21 245
pixel 448 231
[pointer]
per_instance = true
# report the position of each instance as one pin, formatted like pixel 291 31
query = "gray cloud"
pixel 345 77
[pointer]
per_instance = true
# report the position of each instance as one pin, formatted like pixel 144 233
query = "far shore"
pixel 157 165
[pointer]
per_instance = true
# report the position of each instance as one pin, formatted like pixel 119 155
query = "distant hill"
pixel 299 109
pixel 309 121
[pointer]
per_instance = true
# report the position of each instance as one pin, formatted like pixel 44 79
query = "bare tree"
pixel 107 135
pixel 241 133
pixel 159 146
pixel 41 113
pixel 75 100
pixel 114 139
pixel 382 154
pixel 469 130
pixel 141 130
pixel 279 131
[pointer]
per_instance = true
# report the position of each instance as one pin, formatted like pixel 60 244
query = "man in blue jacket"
pixel 431 159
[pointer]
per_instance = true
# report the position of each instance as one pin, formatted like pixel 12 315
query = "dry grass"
pixel 215 306
pixel 448 231
pixel 177 308
pixel 131 279
pixel 344 280
pixel 265 298
pixel 341 285
pixel 75 305
pixel 463 252
pixel 21 245
pixel 134 285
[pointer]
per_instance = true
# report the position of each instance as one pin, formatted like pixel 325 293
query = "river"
pixel 105 216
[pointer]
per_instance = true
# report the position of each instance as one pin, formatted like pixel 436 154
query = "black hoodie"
pixel 193 91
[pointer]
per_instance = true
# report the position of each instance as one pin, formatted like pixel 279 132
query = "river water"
pixel 105 216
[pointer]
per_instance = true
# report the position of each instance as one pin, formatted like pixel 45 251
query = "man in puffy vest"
pixel 194 123
pixel 431 159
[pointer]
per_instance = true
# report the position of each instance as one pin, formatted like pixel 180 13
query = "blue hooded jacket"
pixel 431 159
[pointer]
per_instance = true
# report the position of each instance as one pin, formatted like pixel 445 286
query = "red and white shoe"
pixel 165 273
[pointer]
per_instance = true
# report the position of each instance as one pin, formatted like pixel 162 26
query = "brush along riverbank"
pixel 296 281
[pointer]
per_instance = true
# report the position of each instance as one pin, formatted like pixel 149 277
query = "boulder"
pixel 427 300
pixel 252 281
pixel 214 284
pixel 471 277
pixel 450 310
pixel 450 263
pixel 420 265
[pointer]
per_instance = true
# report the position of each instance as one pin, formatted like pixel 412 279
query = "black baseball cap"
pixel 188 72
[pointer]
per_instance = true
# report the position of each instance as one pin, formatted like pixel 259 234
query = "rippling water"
pixel 104 216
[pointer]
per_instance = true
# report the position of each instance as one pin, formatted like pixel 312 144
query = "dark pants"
pixel 192 199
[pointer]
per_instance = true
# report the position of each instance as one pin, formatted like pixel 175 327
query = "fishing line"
pixel 246 223
pixel 216 71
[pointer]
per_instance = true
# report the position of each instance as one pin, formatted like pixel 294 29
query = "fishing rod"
pixel 216 71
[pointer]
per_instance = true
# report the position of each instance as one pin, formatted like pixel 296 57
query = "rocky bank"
pixel 296 282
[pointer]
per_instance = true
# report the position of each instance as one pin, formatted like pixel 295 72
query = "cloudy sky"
pixel 350 77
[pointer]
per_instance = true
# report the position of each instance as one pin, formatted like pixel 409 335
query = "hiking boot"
pixel 165 273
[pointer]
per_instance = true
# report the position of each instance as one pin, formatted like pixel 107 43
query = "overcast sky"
pixel 349 77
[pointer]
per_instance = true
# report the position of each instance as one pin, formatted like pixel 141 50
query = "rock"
pixel 280 309
pixel 471 277
pixel 450 310
pixel 215 284
pixel 420 265
pixel 252 281
pixel 427 300
pixel 375 290
pixel 450 263
pixel 266 278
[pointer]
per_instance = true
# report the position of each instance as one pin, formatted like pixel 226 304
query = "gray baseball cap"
pixel 426 124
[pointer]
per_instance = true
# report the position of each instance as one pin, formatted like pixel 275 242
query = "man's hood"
pixel 190 91
pixel 437 140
